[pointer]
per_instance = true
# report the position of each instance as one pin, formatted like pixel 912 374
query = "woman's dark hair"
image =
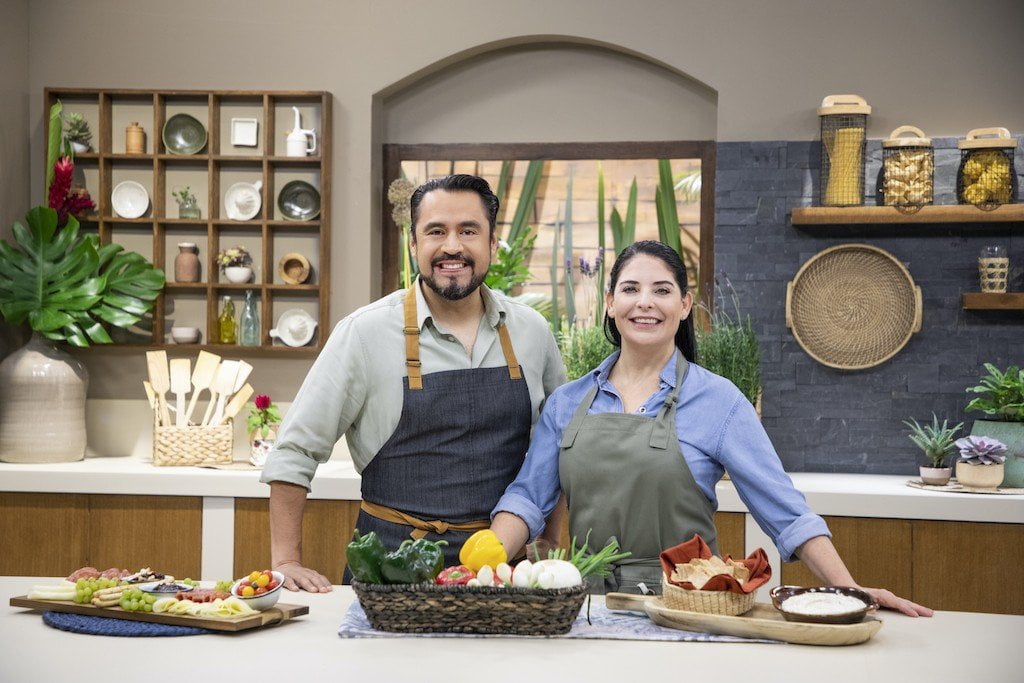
pixel 460 182
pixel 685 339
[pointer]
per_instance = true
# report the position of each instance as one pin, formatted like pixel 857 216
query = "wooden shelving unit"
pixel 872 215
pixel 985 301
pixel 209 172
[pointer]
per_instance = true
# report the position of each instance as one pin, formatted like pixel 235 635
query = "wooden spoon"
pixel 156 363
pixel 181 368
pixel 236 403
pixel 243 374
pixel 223 386
pixel 202 377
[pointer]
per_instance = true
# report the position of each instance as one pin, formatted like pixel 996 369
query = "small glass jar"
pixel 189 208
pixel 993 269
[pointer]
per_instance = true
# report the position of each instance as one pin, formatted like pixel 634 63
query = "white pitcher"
pixel 297 144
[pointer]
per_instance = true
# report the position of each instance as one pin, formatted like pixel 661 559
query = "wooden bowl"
pixel 293 268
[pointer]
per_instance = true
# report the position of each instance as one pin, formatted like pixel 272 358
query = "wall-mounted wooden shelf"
pixel 985 301
pixel 209 173
pixel 869 215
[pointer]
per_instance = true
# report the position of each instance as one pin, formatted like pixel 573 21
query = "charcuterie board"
pixel 274 615
pixel 763 621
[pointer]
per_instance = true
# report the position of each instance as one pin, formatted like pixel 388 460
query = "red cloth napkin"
pixel 756 562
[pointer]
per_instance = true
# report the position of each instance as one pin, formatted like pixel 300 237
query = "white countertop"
pixel 851 495
pixel 309 649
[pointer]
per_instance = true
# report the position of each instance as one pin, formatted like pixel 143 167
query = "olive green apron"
pixel 625 478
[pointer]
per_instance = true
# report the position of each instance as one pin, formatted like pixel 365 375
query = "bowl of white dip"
pixel 823 604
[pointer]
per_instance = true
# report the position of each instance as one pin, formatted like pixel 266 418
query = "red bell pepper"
pixel 458 575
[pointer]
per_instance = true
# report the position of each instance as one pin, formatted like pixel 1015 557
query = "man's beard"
pixel 454 291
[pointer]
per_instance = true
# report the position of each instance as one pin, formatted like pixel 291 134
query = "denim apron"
pixel 460 441
pixel 625 478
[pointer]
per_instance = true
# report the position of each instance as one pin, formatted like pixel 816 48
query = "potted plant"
pixel 728 347
pixel 236 264
pixel 981 462
pixel 262 422
pixel 1001 397
pixel 188 205
pixel 937 443
pixel 67 288
pixel 77 133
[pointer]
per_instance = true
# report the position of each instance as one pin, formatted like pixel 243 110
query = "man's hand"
pixel 891 601
pixel 297 577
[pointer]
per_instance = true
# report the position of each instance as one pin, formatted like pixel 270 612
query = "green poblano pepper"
pixel 431 555
pixel 413 562
pixel 365 555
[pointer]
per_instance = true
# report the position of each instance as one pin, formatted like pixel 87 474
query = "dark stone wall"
pixel 826 420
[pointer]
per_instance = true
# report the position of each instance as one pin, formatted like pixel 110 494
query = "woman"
pixel 638 444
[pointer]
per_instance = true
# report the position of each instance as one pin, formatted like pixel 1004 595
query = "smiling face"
pixel 647 303
pixel 451 243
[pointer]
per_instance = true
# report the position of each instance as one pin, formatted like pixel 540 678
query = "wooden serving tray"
pixel 763 621
pixel 274 615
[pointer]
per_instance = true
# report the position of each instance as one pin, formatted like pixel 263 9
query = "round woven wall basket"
pixel 853 306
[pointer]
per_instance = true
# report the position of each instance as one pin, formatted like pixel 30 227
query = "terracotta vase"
pixel 42 404
pixel 186 263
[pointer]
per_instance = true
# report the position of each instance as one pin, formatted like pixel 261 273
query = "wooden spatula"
pixel 223 386
pixel 181 368
pixel 244 369
pixel 202 377
pixel 236 403
pixel 156 363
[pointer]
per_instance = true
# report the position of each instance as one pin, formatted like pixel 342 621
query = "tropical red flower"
pixel 262 401
pixel 62 197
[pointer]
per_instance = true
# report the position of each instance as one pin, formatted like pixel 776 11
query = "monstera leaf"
pixel 66 286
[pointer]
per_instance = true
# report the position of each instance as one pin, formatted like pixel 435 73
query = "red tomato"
pixel 261 590
pixel 272 585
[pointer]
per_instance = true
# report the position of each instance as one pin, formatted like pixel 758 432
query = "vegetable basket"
pixel 429 608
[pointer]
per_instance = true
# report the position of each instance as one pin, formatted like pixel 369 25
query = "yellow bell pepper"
pixel 482 548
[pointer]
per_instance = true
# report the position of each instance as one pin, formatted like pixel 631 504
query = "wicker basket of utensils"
pixel 192 445
pixel 429 608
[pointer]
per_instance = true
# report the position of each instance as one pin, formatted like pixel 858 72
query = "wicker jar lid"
pixel 835 105
pixel 918 139
pixel 853 306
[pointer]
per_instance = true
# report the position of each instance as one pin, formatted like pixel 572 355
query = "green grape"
pixel 147 607
pixel 150 599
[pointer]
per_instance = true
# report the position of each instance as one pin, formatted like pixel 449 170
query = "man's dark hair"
pixel 460 182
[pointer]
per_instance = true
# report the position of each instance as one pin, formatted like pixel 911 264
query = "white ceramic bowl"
pixel 260 602
pixel 242 201
pixel 129 199
pixel 185 335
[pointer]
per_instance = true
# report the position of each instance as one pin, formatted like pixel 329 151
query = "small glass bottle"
pixel 226 322
pixel 249 324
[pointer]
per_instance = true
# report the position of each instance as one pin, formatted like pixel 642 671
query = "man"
pixel 428 387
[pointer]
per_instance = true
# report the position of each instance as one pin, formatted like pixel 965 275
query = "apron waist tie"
pixel 420 527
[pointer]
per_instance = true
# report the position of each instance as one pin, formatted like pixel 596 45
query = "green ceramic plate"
pixel 299 201
pixel 183 134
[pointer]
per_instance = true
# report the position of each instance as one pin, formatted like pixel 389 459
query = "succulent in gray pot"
pixel 937 443
pixel 981 462
pixel 1001 398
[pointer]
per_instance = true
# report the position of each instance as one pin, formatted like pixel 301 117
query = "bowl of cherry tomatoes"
pixel 260 589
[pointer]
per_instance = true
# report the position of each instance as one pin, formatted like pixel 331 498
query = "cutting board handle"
pixel 626 601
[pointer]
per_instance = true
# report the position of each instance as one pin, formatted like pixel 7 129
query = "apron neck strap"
pixel 665 423
pixel 412 344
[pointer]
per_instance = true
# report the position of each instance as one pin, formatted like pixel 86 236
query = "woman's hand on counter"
pixel 889 600
pixel 297 577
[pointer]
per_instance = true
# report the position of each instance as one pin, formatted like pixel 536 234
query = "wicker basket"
pixel 428 608
pixel 853 306
pixel 908 165
pixel 725 603
pixel 986 177
pixel 192 445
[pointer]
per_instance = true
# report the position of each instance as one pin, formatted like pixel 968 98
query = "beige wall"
pixel 14 94
pixel 944 66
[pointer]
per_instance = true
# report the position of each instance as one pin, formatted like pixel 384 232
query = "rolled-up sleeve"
pixel 778 507
pixel 534 493
pixel 328 402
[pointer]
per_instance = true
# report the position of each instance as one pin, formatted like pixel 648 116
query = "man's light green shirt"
pixel 355 386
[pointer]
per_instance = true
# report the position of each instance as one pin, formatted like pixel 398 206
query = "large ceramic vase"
pixel 42 404
pixel 1012 434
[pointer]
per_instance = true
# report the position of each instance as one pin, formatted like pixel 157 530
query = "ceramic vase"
pixel 935 476
pixel 186 263
pixel 238 274
pixel 979 476
pixel 1012 434
pixel 259 445
pixel 42 404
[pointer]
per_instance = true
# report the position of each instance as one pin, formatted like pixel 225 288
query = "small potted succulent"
pixel 77 133
pixel 1001 398
pixel 188 205
pixel 236 264
pixel 981 461
pixel 263 420
pixel 937 442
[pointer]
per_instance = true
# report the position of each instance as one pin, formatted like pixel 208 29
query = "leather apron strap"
pixel 414 368
pixel 420 527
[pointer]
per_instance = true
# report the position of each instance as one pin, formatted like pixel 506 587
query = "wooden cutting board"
pixel 763 621
pixel 276 614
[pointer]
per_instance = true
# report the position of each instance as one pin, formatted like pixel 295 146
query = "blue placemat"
pixel 108 626
pixel 604 624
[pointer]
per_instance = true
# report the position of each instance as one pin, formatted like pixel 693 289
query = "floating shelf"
pixel 985 301
pixel 868 215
